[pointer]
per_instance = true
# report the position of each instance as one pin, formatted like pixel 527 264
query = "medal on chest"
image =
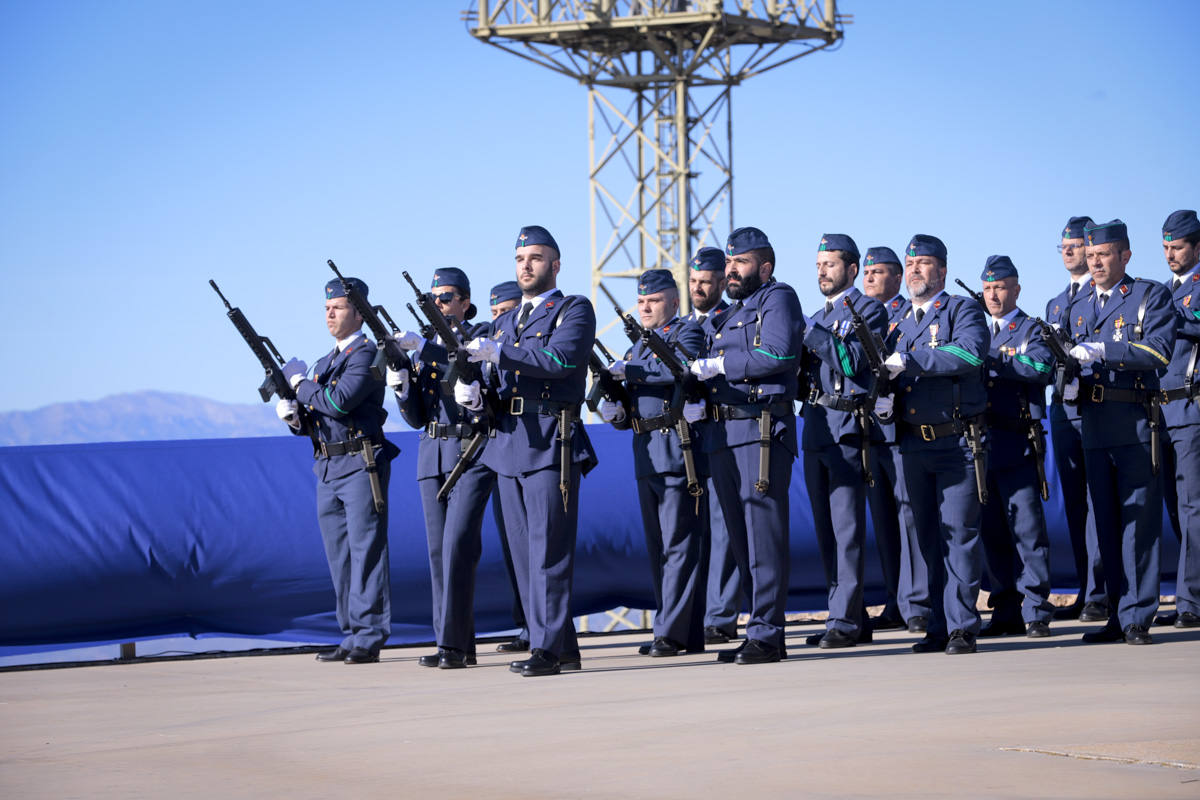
pixel 933 332
pixel 1119 328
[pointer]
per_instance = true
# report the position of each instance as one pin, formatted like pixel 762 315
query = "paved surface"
pixel 1051 718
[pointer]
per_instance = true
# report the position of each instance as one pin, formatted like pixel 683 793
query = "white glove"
pixel 884 406
pixel 693 412
pixel 1087 352
pixel 611 411
pixel 1071 390
pixel 287 410
pixel 483 349
pixel 617 370
pixel 896 363
pixel 398 381
pixel 468 395
pixel 407 340
pixel 705 368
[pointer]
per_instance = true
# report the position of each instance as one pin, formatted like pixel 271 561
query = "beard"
pixel 539 284
pixel 741 288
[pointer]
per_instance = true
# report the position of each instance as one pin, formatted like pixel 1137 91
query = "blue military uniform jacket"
pixel 1133 360
pixel 544 363
pixel 895 311
pixel 652 388
pixel 946 352
pixel 346 402
pixel 714 312
pixel 426 403
pixel 760 338
pixel 1186 302
pixel 1019 367
pixel 838 369
pixel 1060 311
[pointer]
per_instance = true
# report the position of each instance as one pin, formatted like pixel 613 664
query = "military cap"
pixel 998 268
pixel 880 255
pixel 1105 232
pixel 509 290
pixel 925 245
pixel 451 276
pixel 743 240
pixel 1075 226
pixel 709 258
pixel 656 280
pixel 839 241
pixel 334 287
pixel 536 234
pixel 1180 224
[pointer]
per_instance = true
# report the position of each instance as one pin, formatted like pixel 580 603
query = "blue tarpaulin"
pixel 120 542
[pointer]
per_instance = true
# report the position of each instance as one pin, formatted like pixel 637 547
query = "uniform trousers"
pixel 1181 471
pixel 1017 545
pixel 1067 437
pixel 356 547
pixel 725 597
pixel 673 529
pixel 896 534
pixel 834 479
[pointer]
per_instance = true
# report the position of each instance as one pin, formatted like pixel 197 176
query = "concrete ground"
pixel 1045 718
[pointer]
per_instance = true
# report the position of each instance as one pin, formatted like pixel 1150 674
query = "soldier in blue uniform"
pixel 1181 385
pixel 453 524
pixel 1122 351
pixel 352 466
pixel 750 438
pixel 725 596
pixel 904 573
pixel 1019 366
pixel 538 356
pixel 939 349
pixel 506 296
pixel 838 377
pixel 672 515
pixel 1066 433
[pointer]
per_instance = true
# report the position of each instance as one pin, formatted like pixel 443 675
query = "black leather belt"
pixel 1178 393
pixel 330 449
pixel 931 433
pixel 1099 393
pixel 720 413
pixel 649 424
pixel 462 430
pixel 817 397
pixel 518 405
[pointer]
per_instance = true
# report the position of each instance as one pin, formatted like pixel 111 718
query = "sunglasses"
pixel 1062 248
pixel 443 297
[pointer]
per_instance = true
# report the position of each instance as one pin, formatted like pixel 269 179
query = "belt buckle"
pixel 1097 393
pixel 1164 397
pixel 431 429
pixel 516 405
pixel 927 433
pixel 813 393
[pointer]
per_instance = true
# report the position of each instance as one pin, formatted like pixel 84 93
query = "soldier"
pixel 837 433
pixel 1181 451
pixel 539 360
pixel 1019 366
pixel 453 522
pixel 750 438
pixel 706 285
pixel 506 296
pixel 352 466
pixel 904 574
pixel 1066 434
pixel 672 512
pixel 1121 352
pixel 939 348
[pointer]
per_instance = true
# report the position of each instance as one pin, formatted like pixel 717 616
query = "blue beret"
pixel 1105 232
pixel 925 245
pixel 656 280
pixel 509 290
pixel 451 276
pixel 881 255
pixel 1075 226
pixel 709 258
pixel 536 234
pixel 744 240
pixel 1180 224
pixel 334 287
pixel 998 268
pixel 839 241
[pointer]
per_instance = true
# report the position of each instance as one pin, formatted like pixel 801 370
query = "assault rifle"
pixel 976 296
pixel 388 350
pixel 603 383
pixel 873 349
pixel 1066 367
pixel 457 366
pixel 271 361
pixel 973 431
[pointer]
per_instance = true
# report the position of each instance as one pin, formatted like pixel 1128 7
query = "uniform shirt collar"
pixel 836 299
pixel 1082 281
pixel 536 301
pixel 349 340
pixel 929 304
pixel 1007 318
pixel 1187 276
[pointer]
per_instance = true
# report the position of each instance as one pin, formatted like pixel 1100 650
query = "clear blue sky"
pixel 147 146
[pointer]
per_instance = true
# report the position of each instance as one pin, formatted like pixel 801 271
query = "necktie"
pixel 920 315
pixel 526 310
pixel 1175 282
pixel 828 307
pixel 1074 289
pixel 1103 298
pixel 995 329
pixel 700 318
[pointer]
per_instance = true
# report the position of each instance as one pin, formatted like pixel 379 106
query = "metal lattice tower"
pixel 659 75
